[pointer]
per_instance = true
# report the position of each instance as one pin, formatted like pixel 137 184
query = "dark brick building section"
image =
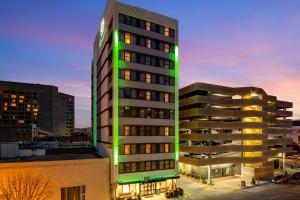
pixel 25 107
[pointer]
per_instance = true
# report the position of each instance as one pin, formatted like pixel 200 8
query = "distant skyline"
pixel 234 43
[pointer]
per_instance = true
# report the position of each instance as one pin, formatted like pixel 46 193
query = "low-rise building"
pixel 71 174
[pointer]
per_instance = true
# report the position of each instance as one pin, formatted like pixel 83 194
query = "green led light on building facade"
pixel 176 59
pixel 116 96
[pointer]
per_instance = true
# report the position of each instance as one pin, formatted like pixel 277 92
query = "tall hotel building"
pixel 228 131
pixel 134 99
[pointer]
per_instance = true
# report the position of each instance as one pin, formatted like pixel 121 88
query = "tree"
pixel 25 186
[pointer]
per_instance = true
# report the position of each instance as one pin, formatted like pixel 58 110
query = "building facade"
pixel 82 176
pixel 296 133
pixel 26 107
pixel 134 99
pixel 229 131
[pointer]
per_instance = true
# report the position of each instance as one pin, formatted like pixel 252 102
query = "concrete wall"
pixel 93 173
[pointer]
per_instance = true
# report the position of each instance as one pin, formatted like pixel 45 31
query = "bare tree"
pixel 25 186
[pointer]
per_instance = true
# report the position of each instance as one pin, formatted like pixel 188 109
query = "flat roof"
pixel 50 158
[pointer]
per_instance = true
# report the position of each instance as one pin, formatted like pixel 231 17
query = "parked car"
pixel 280 179
pixel 295 178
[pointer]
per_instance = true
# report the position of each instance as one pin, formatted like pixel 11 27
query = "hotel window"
pixel 127 56
pixel 127 75
pixel 167 99
pixel 127 149
pixel 153 165
pixel 74 193
pixel 5 108
pixel 127 38
pixel 148 148
pixel 167 48
pixel 133 149
pixel 148 78
pixel 148 26
pixel 167 31
pixel 167 64
pixel 126 130
pixel 142 166
pixel 148 96
pixel 167 164
pixel 133 167
pixel 148 43
pixel 148 166
pixel 167 131
pixel 127 167
pixel 13 96
pixel 21 121
pixel 13 105
pixel 161 164
pixel 167 150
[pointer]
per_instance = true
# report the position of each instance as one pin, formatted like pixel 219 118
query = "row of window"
pixel 146 131
pixel 144 59
pixel 131 167
pixel 130 149
pixel 130 38
pixel 146 25
pixel 131 93
pixel 150 113
pixel 134 75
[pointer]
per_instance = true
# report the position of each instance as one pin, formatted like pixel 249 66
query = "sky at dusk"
pixel 228 42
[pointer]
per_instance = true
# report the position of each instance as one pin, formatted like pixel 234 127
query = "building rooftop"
pixel 56 157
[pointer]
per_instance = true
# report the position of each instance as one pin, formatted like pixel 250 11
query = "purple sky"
pixel 232 42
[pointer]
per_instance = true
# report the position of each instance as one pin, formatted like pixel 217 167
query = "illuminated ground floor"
pixel 134 190
pixel 209 172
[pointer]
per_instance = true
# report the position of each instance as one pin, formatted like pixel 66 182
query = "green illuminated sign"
pixel 116 96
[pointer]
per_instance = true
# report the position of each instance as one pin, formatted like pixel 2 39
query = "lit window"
pixel 166 97
pixel 166 148
pixel 148 78
pixel 167 64
pixel 167 131
pixel 21 97
pixel 35 110
pixel 167 31
pixel 148 26
pixel 126 130
pixel 127 38
pixel 13 100
pixel 127 56
pixel 148 43
pixel 21 121
pixel 5 104
pixel 5 108
pixel 21 100
pixel 13 105
pixel 167 48
pixel 127 75
pixel 13 96
pixel 35 114
pixel 28 109
pixel 127 149
pixel 148 148
pixel 148 96
pixel 28 106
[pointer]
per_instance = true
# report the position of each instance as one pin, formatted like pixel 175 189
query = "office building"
pixel 227 131
pixel 134 99
pixel 27 108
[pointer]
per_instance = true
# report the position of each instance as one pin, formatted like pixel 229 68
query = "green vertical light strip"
pixel 176 104
pixel 94 104
pixel 116 96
